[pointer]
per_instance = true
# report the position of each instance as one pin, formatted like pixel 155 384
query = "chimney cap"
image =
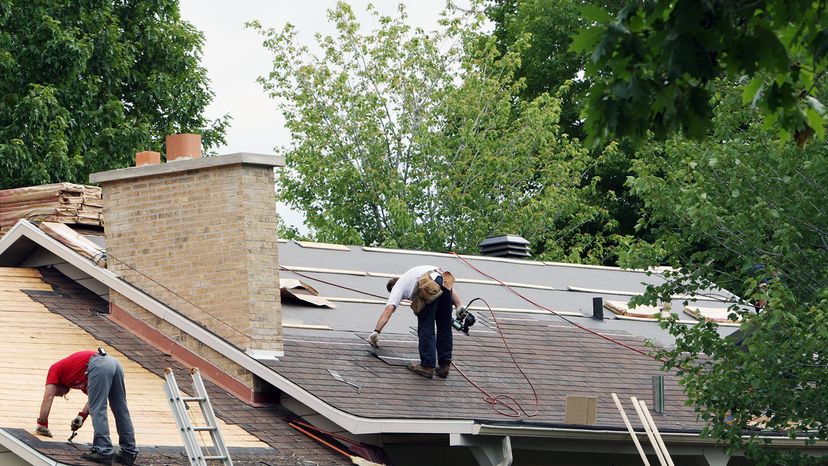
pixel 184 165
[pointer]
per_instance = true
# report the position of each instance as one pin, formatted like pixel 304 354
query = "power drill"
pixel 463 321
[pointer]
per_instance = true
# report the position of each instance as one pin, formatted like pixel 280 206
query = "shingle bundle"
pixel 59 202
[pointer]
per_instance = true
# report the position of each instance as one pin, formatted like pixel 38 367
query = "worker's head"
pixel 390 284
pixel 61 390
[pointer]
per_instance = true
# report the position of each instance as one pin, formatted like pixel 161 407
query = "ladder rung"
pixel 179 406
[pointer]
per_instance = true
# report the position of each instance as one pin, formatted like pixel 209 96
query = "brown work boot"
pixel 427 372
pixel 443 369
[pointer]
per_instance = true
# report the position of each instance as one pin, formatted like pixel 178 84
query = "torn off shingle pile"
pixel 59 202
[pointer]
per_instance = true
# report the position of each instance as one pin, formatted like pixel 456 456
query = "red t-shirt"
pixel 71 370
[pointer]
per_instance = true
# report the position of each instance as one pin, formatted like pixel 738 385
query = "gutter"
pixel 349 422
pixel 674 438
pixel 25 452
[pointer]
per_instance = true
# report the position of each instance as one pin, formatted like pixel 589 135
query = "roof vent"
pixel 505 246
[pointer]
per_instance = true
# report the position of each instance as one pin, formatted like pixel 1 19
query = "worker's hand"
pixel 373 339
pixel 78 421
pixel 461 312
pixel 43 428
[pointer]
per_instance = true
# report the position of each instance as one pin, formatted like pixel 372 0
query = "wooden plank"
pixel 19 272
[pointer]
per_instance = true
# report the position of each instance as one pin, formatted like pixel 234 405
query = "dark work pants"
pixel 439 313
pixel 106 382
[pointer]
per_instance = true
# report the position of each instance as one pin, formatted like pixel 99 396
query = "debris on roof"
pixel 297 290
pixel 59 202
pixel 710 314
pixel 623 309
pixel 76 242
pixel 328 246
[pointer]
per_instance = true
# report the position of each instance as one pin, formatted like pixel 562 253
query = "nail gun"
pixel 464 319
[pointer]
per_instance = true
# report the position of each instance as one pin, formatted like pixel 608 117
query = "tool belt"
pixel 429 290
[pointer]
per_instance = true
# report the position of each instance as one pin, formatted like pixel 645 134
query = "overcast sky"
pixel 234 58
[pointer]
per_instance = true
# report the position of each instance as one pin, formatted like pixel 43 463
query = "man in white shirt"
pixel 437 313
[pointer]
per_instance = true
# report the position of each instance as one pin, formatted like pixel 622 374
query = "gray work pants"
pixel 105 381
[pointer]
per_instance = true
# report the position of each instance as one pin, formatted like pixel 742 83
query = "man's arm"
pixel 45 408
pixel 455 299
pixel 373 339
pixel 383 318
pixel 46 404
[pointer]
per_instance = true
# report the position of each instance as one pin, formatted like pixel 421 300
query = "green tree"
pixel 84 85
pixel 419 140
pixel 651 64
pixel 741 211
pixel 548 66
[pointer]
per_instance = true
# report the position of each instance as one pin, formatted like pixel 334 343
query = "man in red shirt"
pixel 101 377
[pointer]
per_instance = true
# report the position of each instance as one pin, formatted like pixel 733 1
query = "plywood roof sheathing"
pixel 40 338
pixel 718 315
pixel 292 268
pixel 305 326
pixel 329 246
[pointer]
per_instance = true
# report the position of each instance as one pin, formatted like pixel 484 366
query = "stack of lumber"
pixel 59 202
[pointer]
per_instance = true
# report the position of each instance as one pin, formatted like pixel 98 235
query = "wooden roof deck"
pixel 34 338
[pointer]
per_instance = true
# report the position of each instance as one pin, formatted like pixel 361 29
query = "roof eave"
pixel 25 452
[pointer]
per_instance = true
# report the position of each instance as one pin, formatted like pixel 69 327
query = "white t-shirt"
pixel 407 284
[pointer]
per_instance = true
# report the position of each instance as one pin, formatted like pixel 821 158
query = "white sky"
pixel 234 58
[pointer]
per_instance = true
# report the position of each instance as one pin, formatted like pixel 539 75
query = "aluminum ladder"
pixel 179 407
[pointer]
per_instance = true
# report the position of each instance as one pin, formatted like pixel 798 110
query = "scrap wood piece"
pixel 329 246
pixel 630 429
pixel 710 314
pixel 56 202
pixel 291 288
pixel 75 242
pixel 648 420
pixel 622 309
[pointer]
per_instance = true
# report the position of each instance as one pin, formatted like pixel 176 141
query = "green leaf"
pixel 750 92
pixel 587 39
pixel 595 13
pixel 816 121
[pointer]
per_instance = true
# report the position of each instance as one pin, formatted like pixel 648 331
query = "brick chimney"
pixel 199 234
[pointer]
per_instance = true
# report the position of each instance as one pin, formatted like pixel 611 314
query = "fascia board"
pixel 25 452
pixel 351 423
pixel 580 434
pixel 687 438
